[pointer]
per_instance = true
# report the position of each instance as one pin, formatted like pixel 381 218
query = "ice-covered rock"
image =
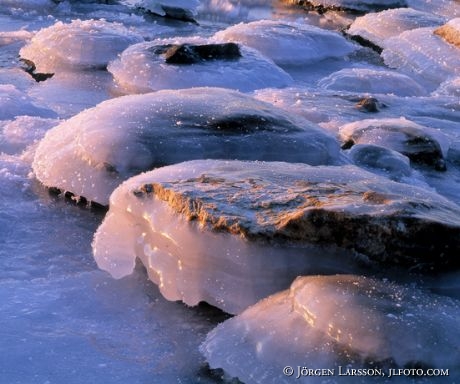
pixel 78 45
pixel 91 153
pixel 353 5
pixel 424 55
pixel 377 27
pixel 288 43
pixel 338 323
pixel 204 228
pixel 446 8
pixel 374 81
pixel 14 103
pixel 421 144
pixel 143 68
pixel 449 87
pixel 381 160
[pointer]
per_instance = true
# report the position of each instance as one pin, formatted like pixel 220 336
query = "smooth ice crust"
pixel 139 69
pixel 13 103
pixel 421 144
pixel 94 151
pixel 78 45
pixel 446 8
pixel 365 80
pixel 424 55
pixel 381 160
pixel 377 27
pixel 288 43
pixel 204 228
pixel 331 321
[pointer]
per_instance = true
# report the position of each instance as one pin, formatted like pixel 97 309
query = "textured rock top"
pixel 279 202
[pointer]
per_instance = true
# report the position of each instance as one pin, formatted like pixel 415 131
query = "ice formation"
pixel 421 144
pixel 381 160
pixel 204 228
pixel 424 55
pixel 91 153
pixel 374 81
pixel 339 323
pixel 142 68
pixel 377 27
pixel 78 45
pixel 13 103
pixel 18 134
pixel 288 43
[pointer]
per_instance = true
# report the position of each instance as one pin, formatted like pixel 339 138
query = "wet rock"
pixel 420 144
pixel 368 104
pixel 339 322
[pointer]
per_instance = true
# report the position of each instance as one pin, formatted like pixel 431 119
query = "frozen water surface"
pixel 65 321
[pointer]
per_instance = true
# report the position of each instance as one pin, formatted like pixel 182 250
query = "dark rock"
pixel 29 67
pixel 191 54
pixel 368 104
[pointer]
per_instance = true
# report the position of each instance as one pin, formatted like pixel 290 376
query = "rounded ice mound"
pixel 78 45
pixel 372 81
pixel 147 67
pixel 338 323
pixel 377 27
pixel 288 43
pixel 381 160
pixel 421 144
pixel 94 151
pixel 424 54
pixel 232 232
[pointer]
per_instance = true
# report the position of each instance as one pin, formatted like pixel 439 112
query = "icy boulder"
pixel 421 144
pixel 91 153
pixel 338 323
pixel 288 43
pixel 425 55
pixel 351 5
pixel 365 80
pixel 381 160
pixel 232 232
pixel 78 45
pixel 145 67
pixel 377 27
